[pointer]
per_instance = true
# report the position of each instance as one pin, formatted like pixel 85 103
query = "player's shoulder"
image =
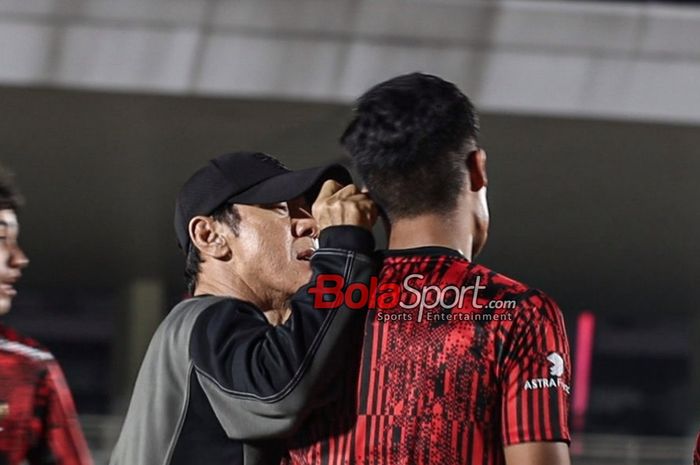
pixel 499 281
pixel 525 299
pixel 15 344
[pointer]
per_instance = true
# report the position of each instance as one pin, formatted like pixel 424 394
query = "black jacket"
pixel 218 380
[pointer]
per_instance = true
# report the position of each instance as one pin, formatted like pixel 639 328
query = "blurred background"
pixel 591 115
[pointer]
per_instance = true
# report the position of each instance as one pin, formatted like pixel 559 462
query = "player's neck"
pixel 451 231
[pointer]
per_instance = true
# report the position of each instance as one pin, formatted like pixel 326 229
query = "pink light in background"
pixel 585 329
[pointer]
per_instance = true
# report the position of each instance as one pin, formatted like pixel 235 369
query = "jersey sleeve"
pixel 261 380
pixel 535 374
pixel 60 440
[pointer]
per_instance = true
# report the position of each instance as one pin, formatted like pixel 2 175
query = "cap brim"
pixel 291 185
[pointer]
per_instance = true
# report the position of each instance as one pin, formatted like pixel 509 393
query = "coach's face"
pixel 12 259
pixel 273 247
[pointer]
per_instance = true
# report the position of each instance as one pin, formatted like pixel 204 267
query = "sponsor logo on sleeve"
pixel 556 370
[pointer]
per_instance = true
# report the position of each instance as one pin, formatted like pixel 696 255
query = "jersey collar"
pixel 426 251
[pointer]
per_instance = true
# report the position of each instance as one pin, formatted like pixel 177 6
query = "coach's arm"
pixel 261 380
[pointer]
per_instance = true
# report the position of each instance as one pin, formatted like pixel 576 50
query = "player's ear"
pixel 476 164
pixel 206 235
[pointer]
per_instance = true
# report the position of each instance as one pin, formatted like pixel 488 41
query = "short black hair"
pixel 10 198
pixel 409 141
pixel 227 214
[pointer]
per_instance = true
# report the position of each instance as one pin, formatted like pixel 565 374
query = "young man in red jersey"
pixel 38 423
pixel 482 380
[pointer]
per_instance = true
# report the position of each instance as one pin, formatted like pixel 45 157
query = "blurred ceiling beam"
pixel 612 60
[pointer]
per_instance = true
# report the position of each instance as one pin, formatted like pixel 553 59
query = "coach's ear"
pixel 476 164
pixel 205 234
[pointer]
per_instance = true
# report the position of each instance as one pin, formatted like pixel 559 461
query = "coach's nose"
pixel 305 227
pixel 18 259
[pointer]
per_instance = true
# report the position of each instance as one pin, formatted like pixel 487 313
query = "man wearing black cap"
pixel 217 373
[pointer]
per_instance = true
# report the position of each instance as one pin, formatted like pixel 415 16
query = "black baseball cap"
pixel 247 178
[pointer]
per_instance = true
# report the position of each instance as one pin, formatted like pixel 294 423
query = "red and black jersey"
pixel 38 422
pixel 696 455
pixel 443 380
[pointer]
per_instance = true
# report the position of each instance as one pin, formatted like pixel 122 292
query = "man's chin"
pixel 5 305
pixel 303 273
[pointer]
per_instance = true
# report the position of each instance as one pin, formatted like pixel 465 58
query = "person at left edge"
pixel 221 376
pixel 38 423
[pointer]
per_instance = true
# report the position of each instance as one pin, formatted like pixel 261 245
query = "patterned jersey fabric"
pixel 447 381
pixel 696 456
pixel 37 416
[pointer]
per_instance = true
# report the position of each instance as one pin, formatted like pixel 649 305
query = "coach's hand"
pixel 337 205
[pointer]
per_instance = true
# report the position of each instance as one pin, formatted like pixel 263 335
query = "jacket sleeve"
pixel 61 440
pixel 262 380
